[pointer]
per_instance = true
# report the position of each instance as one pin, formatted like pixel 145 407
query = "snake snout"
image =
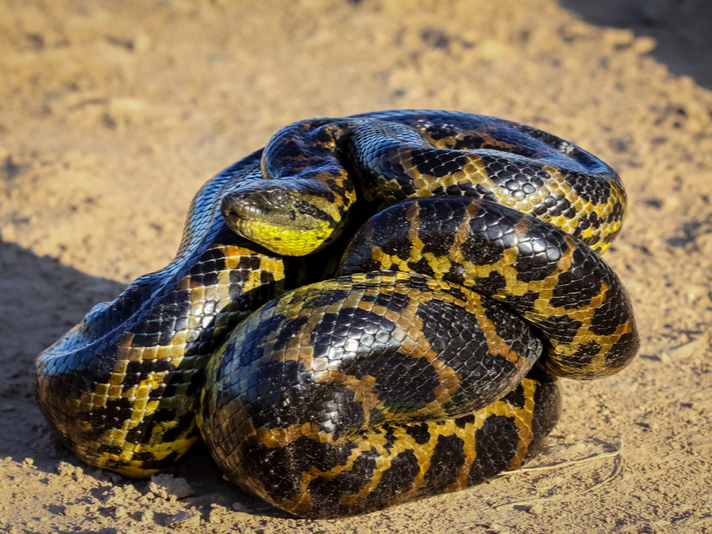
pixel 248 205
pixel 238 206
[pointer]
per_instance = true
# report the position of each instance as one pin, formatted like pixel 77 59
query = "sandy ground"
pixel 112 114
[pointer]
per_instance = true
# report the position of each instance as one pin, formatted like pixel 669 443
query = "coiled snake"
pixel 408 369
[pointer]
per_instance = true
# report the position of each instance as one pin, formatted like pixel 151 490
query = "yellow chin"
pixel 287 241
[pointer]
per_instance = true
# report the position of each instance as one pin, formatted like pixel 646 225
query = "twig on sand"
pixel 620 464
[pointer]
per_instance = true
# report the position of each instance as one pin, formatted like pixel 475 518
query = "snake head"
pixel 290 218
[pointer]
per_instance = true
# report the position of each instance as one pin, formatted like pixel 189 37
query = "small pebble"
pixel 182 519
pixel 168 487
pixel 536 509
pixel 147 516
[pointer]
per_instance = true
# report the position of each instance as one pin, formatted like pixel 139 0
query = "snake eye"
pixel 277 197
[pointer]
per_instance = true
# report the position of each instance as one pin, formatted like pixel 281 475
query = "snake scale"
pixel 370 310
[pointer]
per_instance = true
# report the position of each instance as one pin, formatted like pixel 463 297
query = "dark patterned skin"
pixel 353 394
pixel 383 385
pixel 317 169
pixel 563 288
pixel 121 387
pixel 386 351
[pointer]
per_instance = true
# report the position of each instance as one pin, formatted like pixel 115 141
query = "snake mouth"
pixel 283 220
pixel 274 207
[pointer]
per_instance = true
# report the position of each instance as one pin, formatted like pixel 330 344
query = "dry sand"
pixel 112 114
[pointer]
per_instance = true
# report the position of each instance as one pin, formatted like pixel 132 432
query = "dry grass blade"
pixel 620 464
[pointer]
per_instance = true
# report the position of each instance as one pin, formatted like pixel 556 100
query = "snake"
pixel 370 310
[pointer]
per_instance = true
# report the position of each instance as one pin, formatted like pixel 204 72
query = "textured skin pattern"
pixel 121 387
pixel 350 395
pixel 357 393
pixel 549 278
pixel 396 155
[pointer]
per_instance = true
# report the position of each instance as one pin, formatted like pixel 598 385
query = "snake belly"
pixel 325 430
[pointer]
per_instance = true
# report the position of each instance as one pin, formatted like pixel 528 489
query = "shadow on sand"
pixel 680 27
pixel 40 300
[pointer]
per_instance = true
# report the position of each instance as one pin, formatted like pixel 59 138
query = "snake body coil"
pixel 410 373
